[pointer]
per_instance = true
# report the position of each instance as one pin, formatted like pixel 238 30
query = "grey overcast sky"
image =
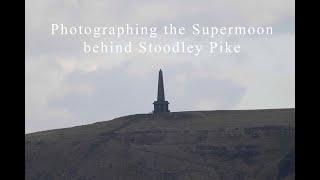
pixel 65 87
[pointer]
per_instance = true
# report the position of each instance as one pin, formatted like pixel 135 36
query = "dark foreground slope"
pixel 208 145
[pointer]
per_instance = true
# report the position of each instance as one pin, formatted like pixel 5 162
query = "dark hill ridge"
pixel 201 145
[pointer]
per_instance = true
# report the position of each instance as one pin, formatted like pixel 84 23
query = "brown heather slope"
pixel 202 145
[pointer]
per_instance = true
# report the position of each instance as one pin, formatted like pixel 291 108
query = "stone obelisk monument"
pixel 161 105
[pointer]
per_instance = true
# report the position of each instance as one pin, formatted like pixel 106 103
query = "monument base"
pixel 161 106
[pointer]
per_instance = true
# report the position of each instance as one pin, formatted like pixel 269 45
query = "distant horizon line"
pixel 150 113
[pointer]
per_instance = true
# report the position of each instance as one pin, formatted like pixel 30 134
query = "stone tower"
pixel 161 105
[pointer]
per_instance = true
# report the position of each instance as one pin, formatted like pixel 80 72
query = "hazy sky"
pixel 65 87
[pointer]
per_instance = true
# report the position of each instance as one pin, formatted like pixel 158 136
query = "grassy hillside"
pixel 202 145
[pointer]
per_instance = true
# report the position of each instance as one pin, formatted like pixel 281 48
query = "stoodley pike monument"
pixel 161 105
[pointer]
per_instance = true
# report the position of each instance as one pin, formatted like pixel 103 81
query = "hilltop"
pixel 199 145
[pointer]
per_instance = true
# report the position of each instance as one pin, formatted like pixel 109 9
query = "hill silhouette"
pixel 199 145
